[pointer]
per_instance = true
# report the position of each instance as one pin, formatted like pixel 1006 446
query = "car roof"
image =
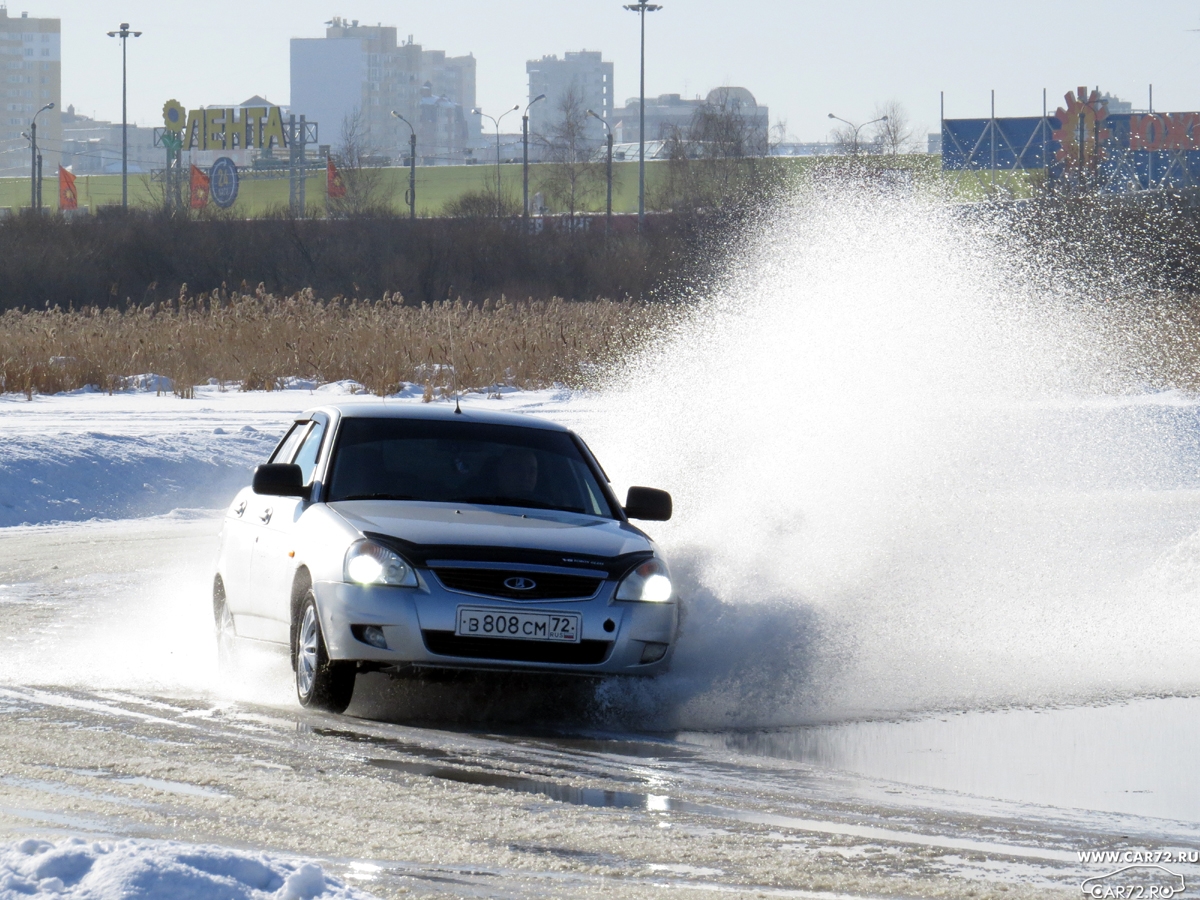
pixel 408 409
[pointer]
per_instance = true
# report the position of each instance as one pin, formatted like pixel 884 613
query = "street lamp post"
pixel 412 166
pixel 608 132
pixel 525 141
pixel 35 174
pixel 479 112
pixel 857 129
pixel 124 34
pixel 642 7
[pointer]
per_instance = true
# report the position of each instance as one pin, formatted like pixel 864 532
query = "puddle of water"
pixel 563 793
pixel 647 749
pixel 1133 758
pixel 408 747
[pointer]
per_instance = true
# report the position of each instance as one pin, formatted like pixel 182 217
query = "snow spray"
pixel 913 469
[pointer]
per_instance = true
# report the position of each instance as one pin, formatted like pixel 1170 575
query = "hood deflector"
pixel 420 554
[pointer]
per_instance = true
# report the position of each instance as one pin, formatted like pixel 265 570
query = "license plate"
pixel 483 621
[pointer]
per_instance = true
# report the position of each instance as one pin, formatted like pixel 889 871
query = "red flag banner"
pixel 68 197
pixel 199 189
pixel 334 184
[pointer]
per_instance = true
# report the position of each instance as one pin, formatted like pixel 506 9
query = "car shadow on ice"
pixel 465 699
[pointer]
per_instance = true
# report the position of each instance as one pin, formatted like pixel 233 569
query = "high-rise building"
pixel 582 73
pixel 31 73
pixel 360 72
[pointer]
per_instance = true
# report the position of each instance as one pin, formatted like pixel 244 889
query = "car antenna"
pixel 453 361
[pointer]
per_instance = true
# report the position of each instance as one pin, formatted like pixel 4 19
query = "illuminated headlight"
pixel 648 583
pixel 368 563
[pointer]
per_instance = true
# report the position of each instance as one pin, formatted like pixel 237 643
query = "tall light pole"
pixel 525 141
pixel 608 131
pixel 642 7
pixel 479 112
pixel 35 193
pixel 124 34
pixel 412 166
pixel 857 129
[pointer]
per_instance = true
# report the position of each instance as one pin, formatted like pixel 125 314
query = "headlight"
pixel 368 563
pixel 648 583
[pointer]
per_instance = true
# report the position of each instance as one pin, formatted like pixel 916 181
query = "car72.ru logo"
pixel 1135 882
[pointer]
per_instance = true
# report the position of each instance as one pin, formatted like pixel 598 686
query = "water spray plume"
pixel 912 471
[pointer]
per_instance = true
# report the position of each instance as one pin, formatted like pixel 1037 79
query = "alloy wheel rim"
pixel 306 656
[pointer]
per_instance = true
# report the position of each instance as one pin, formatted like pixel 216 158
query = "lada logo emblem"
pixel 519 583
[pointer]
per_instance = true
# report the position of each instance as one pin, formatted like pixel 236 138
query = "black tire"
pixel 227 660
pixel 321 683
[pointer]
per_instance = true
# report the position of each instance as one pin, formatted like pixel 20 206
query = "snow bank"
pixel 157 870
pixel 73 477
pixel 88 455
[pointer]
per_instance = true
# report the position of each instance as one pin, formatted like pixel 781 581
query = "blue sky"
pixel 802 59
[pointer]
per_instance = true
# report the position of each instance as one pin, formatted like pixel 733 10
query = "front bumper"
pixel 418 624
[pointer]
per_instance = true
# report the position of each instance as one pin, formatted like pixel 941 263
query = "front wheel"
pixel 321 683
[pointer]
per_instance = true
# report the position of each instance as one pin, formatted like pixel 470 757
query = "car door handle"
pixel 266 516
pixel 241 508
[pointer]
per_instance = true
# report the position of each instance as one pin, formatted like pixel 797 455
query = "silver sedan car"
pixel 392 537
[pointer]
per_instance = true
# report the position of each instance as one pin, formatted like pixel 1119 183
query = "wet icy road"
pixel 115 723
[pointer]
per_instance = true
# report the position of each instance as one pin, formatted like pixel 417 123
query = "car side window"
pixel 287 447
pixel 306 459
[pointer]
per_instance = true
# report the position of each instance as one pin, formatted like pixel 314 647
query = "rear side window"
pixel 287 447
pixel 306 459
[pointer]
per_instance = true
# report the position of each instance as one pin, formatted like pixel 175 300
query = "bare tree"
pixel 847 139
pixel 572 176
pixel 718 163
pixel 895 135
pixel 726 129
pixel 360 172
pixel 779 134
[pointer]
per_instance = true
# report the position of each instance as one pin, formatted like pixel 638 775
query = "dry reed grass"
pixel 256 341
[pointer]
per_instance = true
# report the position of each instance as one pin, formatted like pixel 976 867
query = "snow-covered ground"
pixel 90 455
pixel 128 768
pixel 75 868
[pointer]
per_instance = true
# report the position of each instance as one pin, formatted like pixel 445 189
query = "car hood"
pixel 464 525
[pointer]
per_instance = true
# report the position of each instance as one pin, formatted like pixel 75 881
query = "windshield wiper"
pixel 518 501
pixel 375 497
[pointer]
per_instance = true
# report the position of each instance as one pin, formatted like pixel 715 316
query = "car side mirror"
pixel 648 503
pixel 279 480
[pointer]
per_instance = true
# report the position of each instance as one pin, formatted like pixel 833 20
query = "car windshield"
pixel 463 462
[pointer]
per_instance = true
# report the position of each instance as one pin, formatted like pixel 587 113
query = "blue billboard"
pixel 1082 143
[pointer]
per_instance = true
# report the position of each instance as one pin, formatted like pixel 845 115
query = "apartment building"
pixel 30 78
pixel 583 72
pixel 362 71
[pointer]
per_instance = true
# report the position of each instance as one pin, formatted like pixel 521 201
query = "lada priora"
pixel 394 537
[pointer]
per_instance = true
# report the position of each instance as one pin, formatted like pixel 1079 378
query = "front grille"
pixel 585 653
pixel 490 583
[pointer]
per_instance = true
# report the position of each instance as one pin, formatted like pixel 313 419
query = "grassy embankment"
pixel 439 185
pixel 436 186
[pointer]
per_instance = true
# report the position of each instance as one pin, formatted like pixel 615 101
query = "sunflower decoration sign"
pixel 173 121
